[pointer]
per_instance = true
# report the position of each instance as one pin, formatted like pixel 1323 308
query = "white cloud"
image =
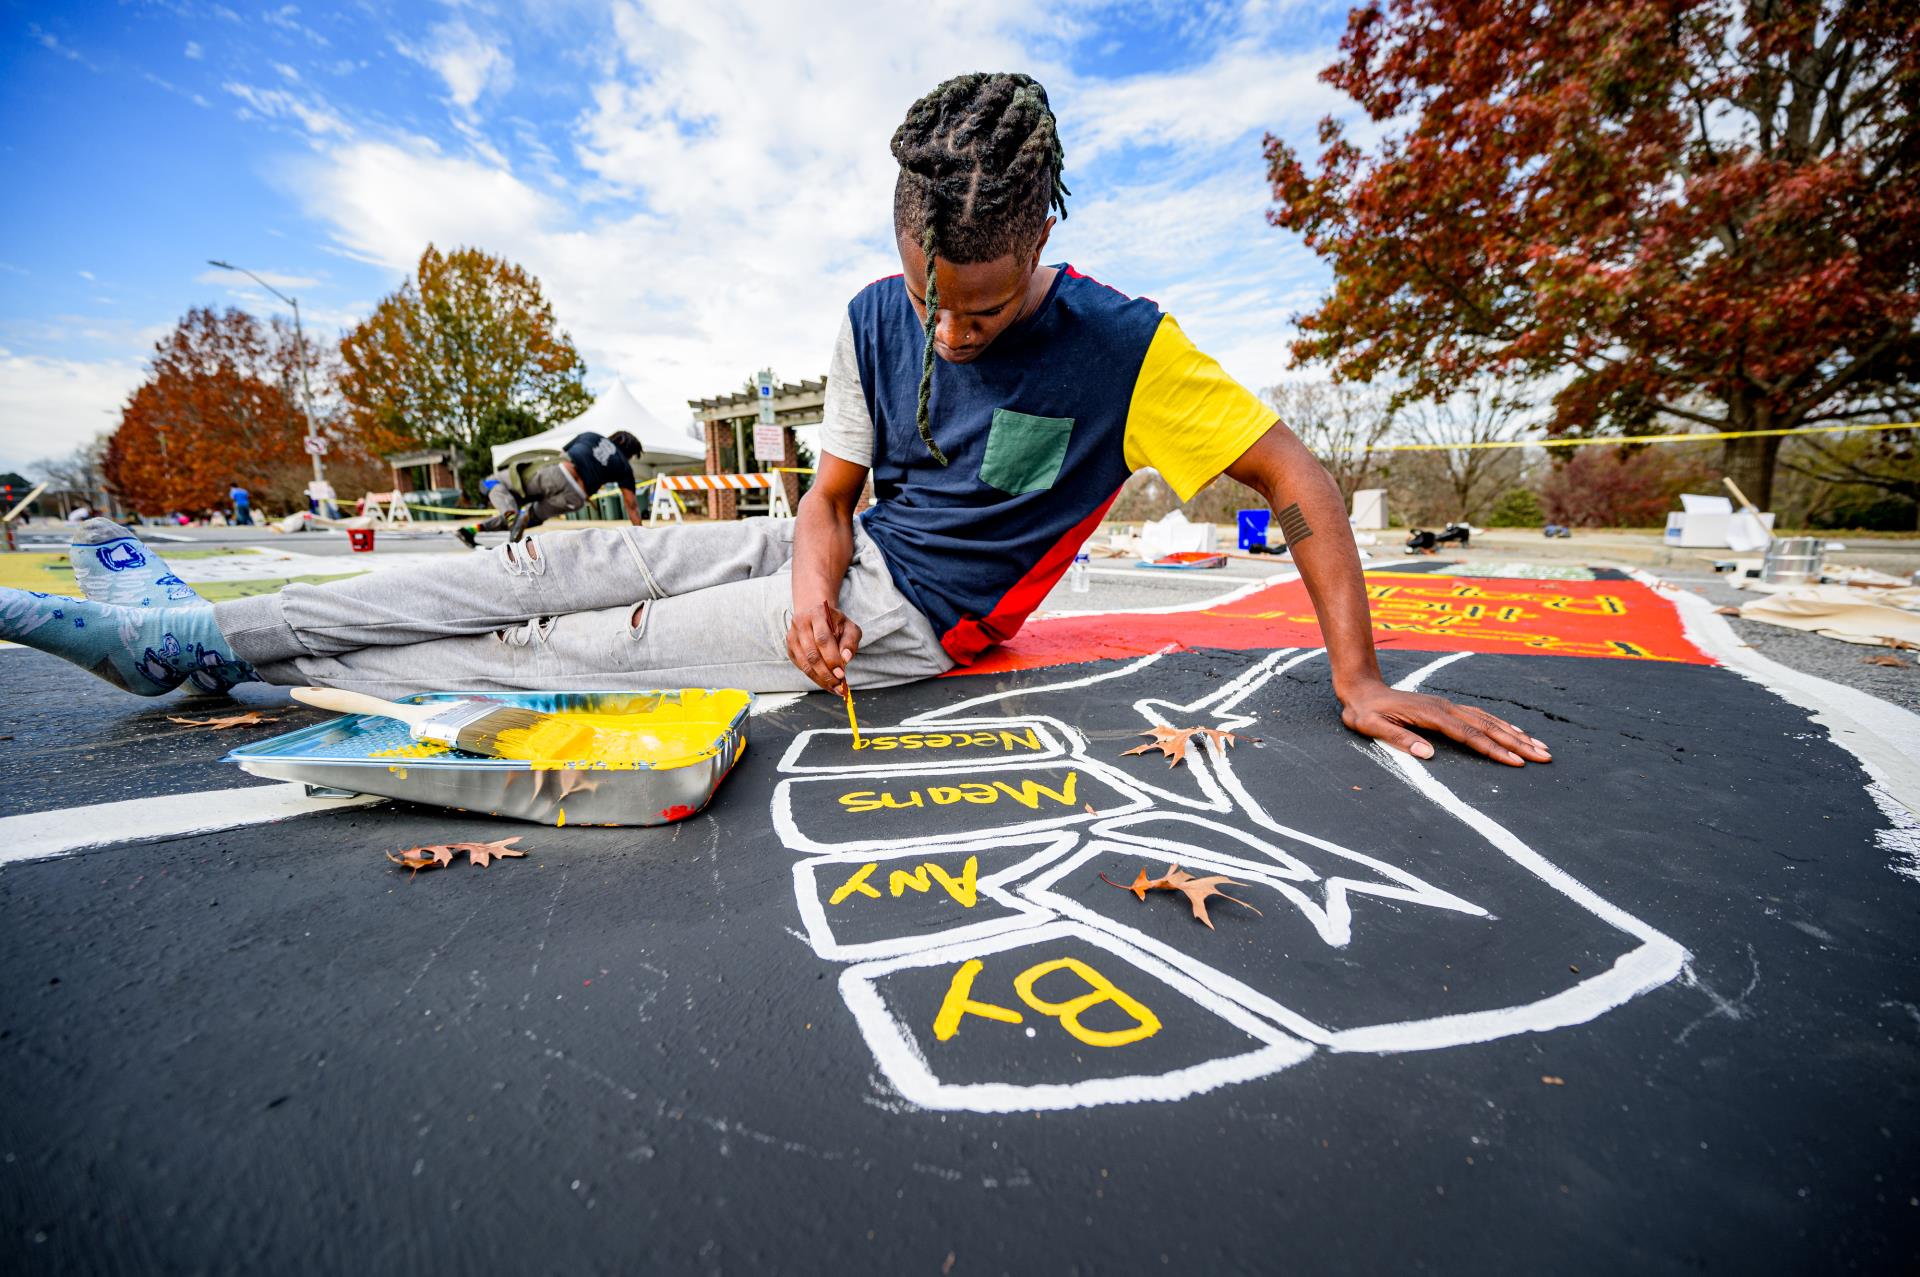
pixel 49 407
pixel 192 51
pixel 279 104
pixel 87 275
pixel 1239 91
pixel 469 64
pixel 738 193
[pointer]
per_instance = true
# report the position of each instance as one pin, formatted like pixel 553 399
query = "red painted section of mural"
pixel 1614 620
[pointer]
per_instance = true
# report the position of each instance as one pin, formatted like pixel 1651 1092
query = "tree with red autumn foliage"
pixel 1699 210
pixel 466 342
pixel 220 406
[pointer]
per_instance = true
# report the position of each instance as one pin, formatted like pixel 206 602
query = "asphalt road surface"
pixel 1655 1006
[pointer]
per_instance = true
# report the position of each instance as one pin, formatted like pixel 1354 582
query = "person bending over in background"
pixel 592 462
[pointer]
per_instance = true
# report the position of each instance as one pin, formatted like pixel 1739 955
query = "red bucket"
pixel 360 538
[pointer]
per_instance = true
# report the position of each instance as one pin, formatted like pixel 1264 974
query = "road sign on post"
pixel 769 442
pixel 316 445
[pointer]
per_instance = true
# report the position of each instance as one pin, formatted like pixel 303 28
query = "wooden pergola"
pixel 729 422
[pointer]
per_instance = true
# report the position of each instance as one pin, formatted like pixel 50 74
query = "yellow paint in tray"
pixel 667 731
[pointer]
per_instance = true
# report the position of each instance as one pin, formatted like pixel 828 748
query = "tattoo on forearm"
pixel 1293 525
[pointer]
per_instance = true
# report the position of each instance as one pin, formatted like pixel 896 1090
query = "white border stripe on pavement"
pixel 42 834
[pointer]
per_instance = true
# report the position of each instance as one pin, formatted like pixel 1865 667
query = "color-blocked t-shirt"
pixel 1041 431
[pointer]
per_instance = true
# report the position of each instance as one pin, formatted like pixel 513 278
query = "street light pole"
pixel 300 337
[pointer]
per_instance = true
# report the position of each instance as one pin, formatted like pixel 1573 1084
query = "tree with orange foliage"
pixel 220 406
pixel 1696 209
pixel 466 341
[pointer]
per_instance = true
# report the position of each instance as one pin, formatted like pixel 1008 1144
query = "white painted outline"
pixel 1658 959
pixel 1883 738
pixel 908 1071
pixel 1051 748
pixel 41 835
pixel 793 840
pixel 1025 913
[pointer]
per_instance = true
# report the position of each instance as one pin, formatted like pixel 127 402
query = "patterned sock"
pixel 146 650
pixel 114 566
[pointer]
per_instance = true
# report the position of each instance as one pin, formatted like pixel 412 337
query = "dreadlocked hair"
pixel 980 164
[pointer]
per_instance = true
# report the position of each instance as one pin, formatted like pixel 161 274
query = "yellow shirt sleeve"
pixel 1188 419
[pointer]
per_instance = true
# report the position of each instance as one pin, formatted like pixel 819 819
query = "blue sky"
pixel 699 186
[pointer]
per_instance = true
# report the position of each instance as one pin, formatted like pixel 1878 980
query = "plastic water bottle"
pixel 1077 575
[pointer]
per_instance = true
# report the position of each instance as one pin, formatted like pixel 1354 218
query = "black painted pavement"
pixel 268 1050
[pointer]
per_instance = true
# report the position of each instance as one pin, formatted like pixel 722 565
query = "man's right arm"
pixel 822 640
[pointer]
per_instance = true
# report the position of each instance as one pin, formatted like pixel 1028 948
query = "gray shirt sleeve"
pixel 846 429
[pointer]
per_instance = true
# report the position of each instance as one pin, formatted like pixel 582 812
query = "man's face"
pixel 978 301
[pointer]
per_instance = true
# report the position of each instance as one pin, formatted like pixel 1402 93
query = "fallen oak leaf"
pixel 418 858
pixel 1173 741
pixel 440 855
pixel 1196 890
pixel 221 723
pixel 481 854
pixel 1885 658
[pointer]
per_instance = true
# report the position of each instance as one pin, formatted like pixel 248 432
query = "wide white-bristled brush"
pixel 475 726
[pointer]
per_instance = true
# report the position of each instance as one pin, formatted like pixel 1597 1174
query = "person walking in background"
pixel 242 506
pixel 592 462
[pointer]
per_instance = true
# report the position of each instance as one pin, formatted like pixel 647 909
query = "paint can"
pixel 361 539
pixel 1792 561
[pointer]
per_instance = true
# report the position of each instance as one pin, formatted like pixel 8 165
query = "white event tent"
pixel 616 409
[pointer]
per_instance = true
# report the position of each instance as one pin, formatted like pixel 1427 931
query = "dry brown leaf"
pixel 1548 1079
pixel 1726 611
pixel 1885 658
pixel 440 855
pixel 1173 741
pixel 1196 890
pixel 248 719
pixel 484 853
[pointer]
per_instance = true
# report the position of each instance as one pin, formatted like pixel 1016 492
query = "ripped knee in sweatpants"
pixel 527 634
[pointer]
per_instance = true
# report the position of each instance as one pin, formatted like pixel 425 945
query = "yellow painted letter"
pixel 857 883
pixel 959 1002
pixel 1028 795
pixel 965 891
pixel 1145 1022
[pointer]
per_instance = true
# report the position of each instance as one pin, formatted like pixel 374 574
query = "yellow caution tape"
pixel 444 509
pixel 1620 440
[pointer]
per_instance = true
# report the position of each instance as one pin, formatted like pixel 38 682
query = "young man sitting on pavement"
pixel 999 405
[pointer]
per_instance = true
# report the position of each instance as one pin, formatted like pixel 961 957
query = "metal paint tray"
pixel 364 754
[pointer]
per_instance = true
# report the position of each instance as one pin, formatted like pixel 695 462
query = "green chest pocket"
pixel 1024 452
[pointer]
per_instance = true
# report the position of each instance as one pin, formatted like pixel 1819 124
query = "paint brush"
pixel 475 726
pixel 852 722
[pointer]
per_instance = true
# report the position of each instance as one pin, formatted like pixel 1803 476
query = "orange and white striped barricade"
pixel 667 507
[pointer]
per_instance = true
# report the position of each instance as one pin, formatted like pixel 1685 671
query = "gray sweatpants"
pixel 556 613
pixel 551 492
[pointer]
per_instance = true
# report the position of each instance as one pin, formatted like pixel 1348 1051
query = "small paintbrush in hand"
pixel 475 726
